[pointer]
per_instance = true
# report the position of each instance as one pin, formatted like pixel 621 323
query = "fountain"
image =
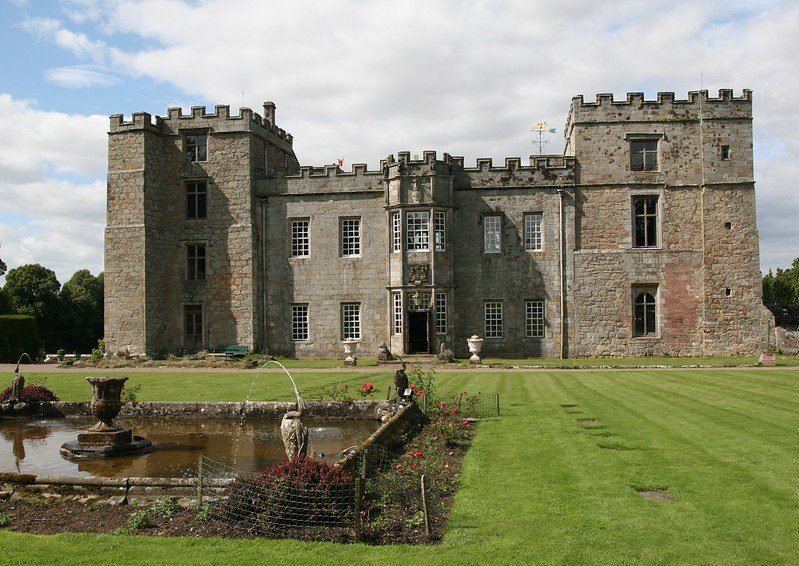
pixel 293 432
pixel 106 438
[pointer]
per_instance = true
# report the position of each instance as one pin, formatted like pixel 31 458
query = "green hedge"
pixel 18 333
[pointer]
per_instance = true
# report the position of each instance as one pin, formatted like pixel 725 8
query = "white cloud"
pixel 46 218
pixel 365 78
pixel 80 76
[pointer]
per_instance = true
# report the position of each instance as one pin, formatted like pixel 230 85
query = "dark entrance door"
pixel 418 342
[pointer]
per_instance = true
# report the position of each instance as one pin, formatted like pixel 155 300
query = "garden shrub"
pixel 298 493
pixel 18 333
pixel 30 394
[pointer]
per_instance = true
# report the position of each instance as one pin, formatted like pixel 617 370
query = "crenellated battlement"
pixel 219 120
pixel 666 108
pixel 329 171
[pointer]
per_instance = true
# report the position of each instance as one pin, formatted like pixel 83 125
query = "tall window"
pixel 396 232
pixel 417 230
pixel 645 218
pixel 300 238
pixel 492 234
pixel 441 313
pixel 533 234
pixel 196 147
pixel 195 261
pixel 196 199
pixel 534 314
pixel 299 322
pixel 351 321
pixel 193 326
pixel 645 314
pixel 493 319
pixel 441 231
pixel 644 155
pixel 396 301
pixel 350 237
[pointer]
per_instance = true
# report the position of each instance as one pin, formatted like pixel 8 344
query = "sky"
pixel 363 79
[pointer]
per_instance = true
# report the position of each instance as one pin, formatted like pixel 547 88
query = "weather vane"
pixel 542 127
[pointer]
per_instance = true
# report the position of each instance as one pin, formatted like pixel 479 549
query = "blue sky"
pixel 363 79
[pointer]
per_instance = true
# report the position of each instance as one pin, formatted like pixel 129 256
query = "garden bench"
pixel 236 351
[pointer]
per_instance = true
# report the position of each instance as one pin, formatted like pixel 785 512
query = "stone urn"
pixel 106 438
pixel 350 346
pixel 768 359
pixel 106 401
pixel 475 345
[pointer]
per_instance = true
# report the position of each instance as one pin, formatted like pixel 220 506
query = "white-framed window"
pixel 440 226
pixel 195 261
pixel 441 313
pixel 350 237
pixel 492 234
pixel 350 321
pixel 299 322
pixel 300 238
pixel 417 230
pixel 534 318
pixel 645 320
pixel 396 232
pixel 396 302
pixel 533 232
pixel 645 221
pixel 493 319
pixel 196 147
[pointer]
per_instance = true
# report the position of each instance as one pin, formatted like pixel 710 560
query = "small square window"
pixel 196 199
pixel 728 225
pixel 492 234
pixel 196 147
pixel 643 155
pixel 728 292
pixel 725 152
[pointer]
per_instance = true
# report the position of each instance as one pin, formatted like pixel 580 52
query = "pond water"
pixel 32 445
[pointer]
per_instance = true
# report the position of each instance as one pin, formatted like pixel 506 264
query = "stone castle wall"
pixel 704 270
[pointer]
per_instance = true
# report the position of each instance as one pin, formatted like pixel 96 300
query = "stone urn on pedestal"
pixel 475 345
pixel 105 438
pixel 350 346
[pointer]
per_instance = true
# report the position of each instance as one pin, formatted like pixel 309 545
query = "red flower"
pixel 368 387
pixel 465 422
pixel 413 465
pixel 455 411
pixel 418 453
pixel 420 393
pixel 442 405
pixel 398 467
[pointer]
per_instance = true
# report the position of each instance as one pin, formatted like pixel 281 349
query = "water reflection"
pixel 33 446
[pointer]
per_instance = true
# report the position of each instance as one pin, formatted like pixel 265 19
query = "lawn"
pixel 554 479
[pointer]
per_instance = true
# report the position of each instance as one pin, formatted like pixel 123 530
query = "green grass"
pixel 782 361
pixel 554 480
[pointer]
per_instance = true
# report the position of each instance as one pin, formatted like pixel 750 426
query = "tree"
pixel 81 300
pixel 33 290
pixel 3 268
pixel 782 289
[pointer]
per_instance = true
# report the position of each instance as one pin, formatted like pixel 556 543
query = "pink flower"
pixel 446 466
pixel 442 405
pixel 398 467
pixel 465 422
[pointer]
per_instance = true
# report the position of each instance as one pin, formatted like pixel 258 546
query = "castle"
pixel 639 240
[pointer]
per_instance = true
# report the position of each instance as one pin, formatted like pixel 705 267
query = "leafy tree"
pixel 782 289
pixel 81 301
pixel 33 290
pixel 3 268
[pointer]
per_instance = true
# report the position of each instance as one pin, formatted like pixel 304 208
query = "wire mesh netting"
pixel 270 503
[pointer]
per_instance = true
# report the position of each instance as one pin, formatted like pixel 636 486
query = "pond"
pixel 32 445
